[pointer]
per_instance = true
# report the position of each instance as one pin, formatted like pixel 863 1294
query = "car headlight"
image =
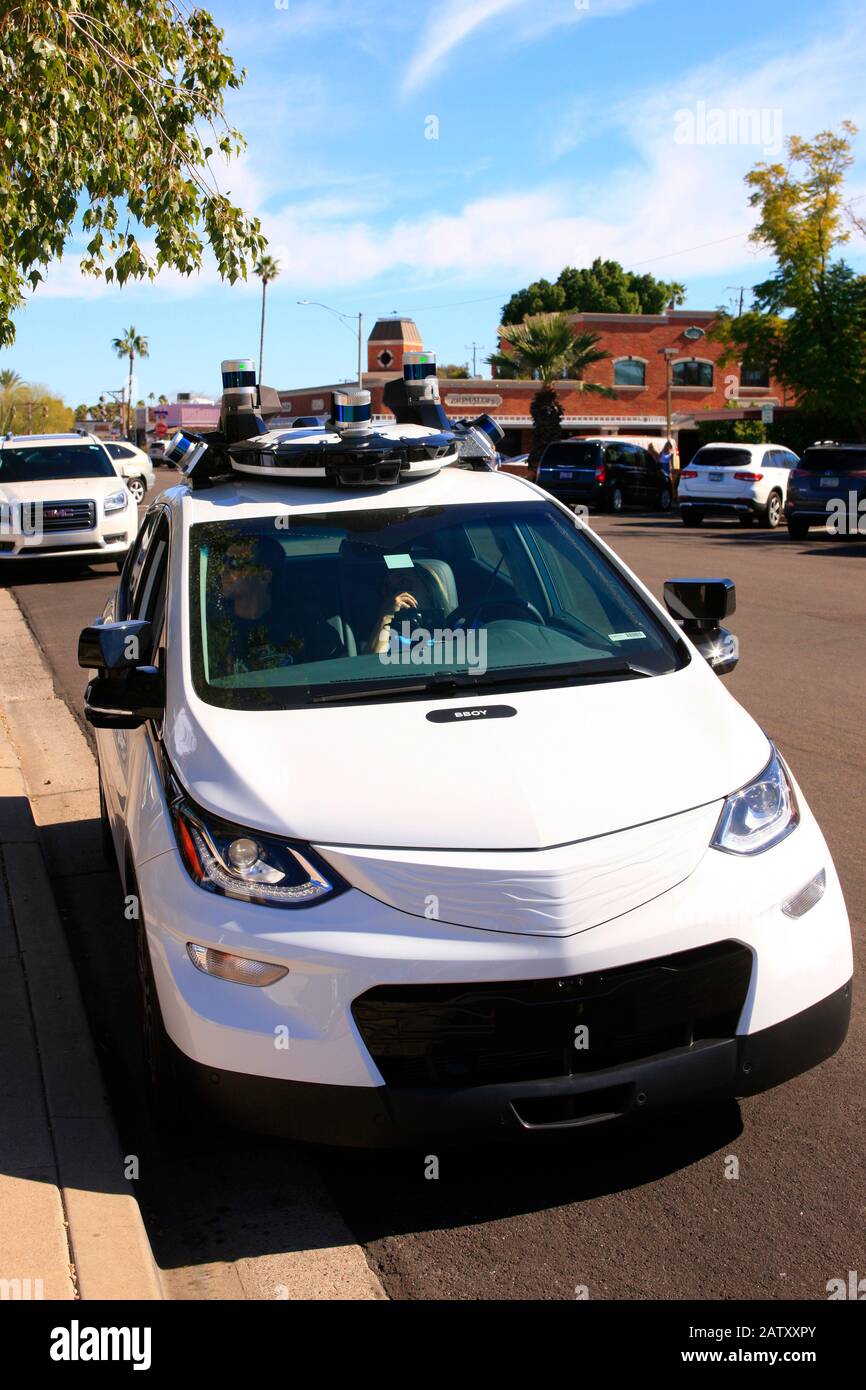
pixel 117 501
pixel 241 863
pixel 758 815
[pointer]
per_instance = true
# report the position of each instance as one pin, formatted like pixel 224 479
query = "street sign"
pixel 766 415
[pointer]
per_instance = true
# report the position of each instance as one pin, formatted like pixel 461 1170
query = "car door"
pixel 646 477
pixel 141 595
pixel 630 466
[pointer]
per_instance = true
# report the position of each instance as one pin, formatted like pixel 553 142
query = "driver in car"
pixel 422 590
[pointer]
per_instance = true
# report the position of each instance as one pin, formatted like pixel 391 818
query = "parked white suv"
pixel 134 465
pixel 750 480
pixel 62 496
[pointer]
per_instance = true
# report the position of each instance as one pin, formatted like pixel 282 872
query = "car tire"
pixel 168 1108
pixel 137 489
pixel 665 499
pixel 616 500
pixel 798 529
pixel 772 515
pixel 691 516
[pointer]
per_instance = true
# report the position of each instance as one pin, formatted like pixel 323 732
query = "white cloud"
pixel 451 22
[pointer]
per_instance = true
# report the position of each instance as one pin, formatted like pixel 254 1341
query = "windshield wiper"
pixel 447 682
pixel 514 675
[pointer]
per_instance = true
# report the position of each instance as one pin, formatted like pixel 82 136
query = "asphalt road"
pixel 655 1217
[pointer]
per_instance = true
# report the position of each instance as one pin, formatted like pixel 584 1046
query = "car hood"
pixel 570 763
pixel 58 489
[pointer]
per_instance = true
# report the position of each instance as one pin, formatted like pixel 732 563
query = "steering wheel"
pixel 492 609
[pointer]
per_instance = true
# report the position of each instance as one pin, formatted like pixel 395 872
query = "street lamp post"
pixel 669 353
pixel 314 304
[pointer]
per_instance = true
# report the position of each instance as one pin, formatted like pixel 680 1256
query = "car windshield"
pixel 834 460
pixel 721 458
pixel 60 461
pixel 292 610
pixel 570 456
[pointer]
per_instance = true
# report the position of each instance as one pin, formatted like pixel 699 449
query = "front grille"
pixel 60 516
pixel 480 1034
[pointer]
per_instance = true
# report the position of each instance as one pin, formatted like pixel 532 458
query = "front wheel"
pixel 665 499
pixel 798 529
pixel 773 514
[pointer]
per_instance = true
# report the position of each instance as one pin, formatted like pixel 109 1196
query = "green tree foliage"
pixel 454 371
pixel 808 324
pixel 544 346
pixel 33 410
pixel 602 288
pixel 114 110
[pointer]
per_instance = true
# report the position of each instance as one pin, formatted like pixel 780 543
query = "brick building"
pixel 639 347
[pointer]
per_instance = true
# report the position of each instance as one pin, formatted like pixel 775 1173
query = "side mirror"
pixel 127 702
pixel 115 647
pixel 699 605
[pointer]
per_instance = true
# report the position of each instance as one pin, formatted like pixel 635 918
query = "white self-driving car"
pixel 62 497
pixel 391 884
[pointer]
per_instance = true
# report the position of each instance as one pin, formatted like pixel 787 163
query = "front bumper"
pixel 388 1116
pixel 73 545
pixel 292 1056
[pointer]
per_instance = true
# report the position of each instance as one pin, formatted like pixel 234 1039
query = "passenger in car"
pixel 263 628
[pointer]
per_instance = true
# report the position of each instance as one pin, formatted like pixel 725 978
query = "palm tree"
pixel 267 269
pixel 544 347
pixel 11 386
pixel 131 345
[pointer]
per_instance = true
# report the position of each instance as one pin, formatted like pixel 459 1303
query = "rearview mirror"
pixel 699 605
pixel 115 647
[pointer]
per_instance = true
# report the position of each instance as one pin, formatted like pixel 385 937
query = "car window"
pixel 722 457
pixel 118 451
pixel 134 567
pixel 375 603
pixel 27 464
pixel 145 601
pixel 570 455
pixel 840 460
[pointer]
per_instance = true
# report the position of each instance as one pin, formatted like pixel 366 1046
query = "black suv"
pixel 828 488
pixel 609 473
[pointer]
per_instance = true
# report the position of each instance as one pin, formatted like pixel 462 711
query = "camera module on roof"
pixel 350 449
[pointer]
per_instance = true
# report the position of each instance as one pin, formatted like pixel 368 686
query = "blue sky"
pixel 563 129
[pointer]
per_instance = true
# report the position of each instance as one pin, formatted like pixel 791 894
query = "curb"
pixel 71 1218
pixel 55 786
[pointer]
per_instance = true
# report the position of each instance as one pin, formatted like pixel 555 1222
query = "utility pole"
pixel 474 349
pixel 669 353
pixel 742 290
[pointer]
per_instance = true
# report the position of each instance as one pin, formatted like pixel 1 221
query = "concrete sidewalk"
pixel 69 1220
pixel 68 1216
